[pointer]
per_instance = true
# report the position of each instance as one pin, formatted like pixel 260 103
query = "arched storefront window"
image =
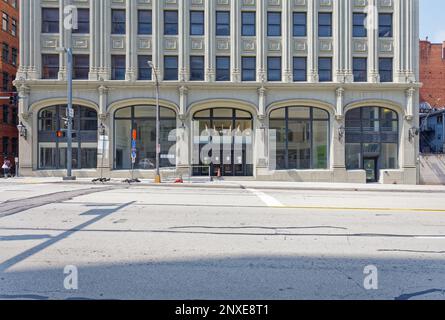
pixel 372 140
pixel 223 142
pixel 301 137
pixel 143 120
pixel 53 148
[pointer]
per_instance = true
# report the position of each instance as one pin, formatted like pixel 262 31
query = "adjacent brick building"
pixel 432 73
pixel 9 47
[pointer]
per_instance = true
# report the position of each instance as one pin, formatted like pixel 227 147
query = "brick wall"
pixel 432 73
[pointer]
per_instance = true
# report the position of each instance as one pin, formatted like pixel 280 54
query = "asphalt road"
pixel 193 243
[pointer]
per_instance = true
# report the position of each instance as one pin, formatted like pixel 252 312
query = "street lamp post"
pixel 70 114
pixel 158 124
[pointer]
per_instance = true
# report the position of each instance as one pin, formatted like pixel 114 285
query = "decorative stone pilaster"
pixel 340 92
pixel 409 113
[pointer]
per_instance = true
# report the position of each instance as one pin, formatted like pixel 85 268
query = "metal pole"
pixel 158 132
pixel 69 153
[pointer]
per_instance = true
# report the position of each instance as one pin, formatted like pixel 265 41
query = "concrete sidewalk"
pixel 242 184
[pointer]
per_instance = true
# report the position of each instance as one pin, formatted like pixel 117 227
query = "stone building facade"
pixel 301 90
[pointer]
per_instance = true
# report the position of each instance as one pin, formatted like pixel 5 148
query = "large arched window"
pixel 143 120
pixel 372 137
pixel 301 137
pixel 52 148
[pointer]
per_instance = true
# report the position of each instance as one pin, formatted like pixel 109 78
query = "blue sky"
pixel 432 20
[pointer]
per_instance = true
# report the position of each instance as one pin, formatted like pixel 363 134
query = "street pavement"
pixel 245 242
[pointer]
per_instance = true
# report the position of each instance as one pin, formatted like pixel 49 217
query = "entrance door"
pixel 370 166
pixel 228 132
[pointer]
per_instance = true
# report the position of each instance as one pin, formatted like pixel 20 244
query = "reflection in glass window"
pixel 143 120
pixel 52 148
pixel 302 137
pixel 372 133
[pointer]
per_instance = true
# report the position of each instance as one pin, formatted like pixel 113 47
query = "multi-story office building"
pixel 302 90
pixel 9 43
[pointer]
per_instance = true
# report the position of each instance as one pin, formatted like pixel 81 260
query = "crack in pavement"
pixel 17 206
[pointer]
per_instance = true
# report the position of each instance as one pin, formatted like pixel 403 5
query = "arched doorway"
pixel 372 140
pixel 142 118
pixel 223 142
pixel 52 147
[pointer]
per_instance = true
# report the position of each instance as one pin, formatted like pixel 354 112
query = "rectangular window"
pixel 5 52
pixel 385 25
pixel 5 82
pixel 325 24
pixel 325 69
pixel 274 24
pixel 222 68
pixel 359 28
pixel 171 68
pixel 144 22
pixel 14 56
pixel 5 146
pixel 196 68
pixel 360 69
pixel 300 24
pixel 273 69
pixel 144 69
pixel 118 67
pixel 5 22
pixel 14 27
pixel 50 66
pixel 248 69
pixel 197 23
pixel 118 21
pixel 223 23
pixel 81 66
pixel 171 23
pixel 50 20
pixel 83 22
pixel 248 20
pixel 300 69
pixel 386 69
pixel 5 113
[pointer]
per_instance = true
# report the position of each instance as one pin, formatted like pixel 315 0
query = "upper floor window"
pixel 300 69
pixel 299 24
pixel 359 28
pixel 50 20
pixel 248 69
pixel 196 68
pixel 118 67
pixel 14 27
pixel 14 55
pixel 81 66
pixel 386 69
pixel 144 22
pixel 118 21
pixel 222 68
pixel 83 21
pixel 274 24
pixel 171 23
pixel 274 69
pixel 5 52
pixel 325 24
pixel 50 66
pixel 144 69
pixel 5 83
pixel 325 69
pixel 197 23
pixel 360 69
pixel 5 22
pixel 170 68
pixel 385 25
pixel 248 21
pixel 223 23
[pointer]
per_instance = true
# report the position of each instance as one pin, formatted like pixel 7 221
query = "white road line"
pixel 267 199
pixel 430 238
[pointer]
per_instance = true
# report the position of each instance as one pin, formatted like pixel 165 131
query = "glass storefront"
pixel 301 138
pixel 53 148
pixel 143 120
pixel 223 142
pixel 372 140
